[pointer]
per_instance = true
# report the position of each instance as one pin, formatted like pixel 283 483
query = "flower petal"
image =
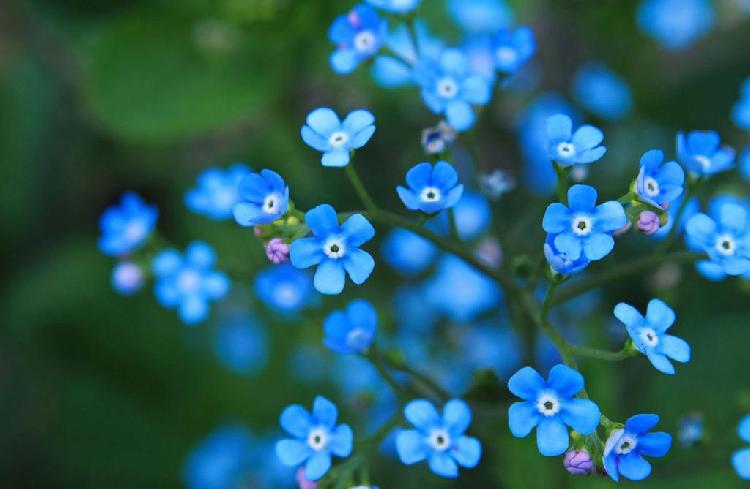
pixel 565 381
pixel 341 441
pixel 628 315
pixel 467 451
pixel 292 452
pixel 641 423
pixel 654 444
pixel 443 464
pixel 306 252
pixel 598 245
pixel 322 220
pixel 459 115
pixel 324 121
pixel 317 465
pixel 335 159
pixel 569 245
pixel 675 348
pixel 610 216
pixel 660 362
pixel 357 230
pixel 247 214
pixel 456 417
pixel 324 412
pixel 552 437
pixel 587 137
pixel 522 418
pixel 582 197
pixel 419 176
pixel 411 447
pixel 634 467
pixel 329 277
pixel 556 218
pixel 526 383
pixel 444 176
pixel 422 414
pixel 315 140
pixel 359 265
pixel 582 415
pixel 741 463
pixel 559 128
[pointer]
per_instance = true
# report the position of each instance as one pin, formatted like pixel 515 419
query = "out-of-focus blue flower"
pixel 326 133
pixel 127 278
pixel 450 89
pixel 395 6
pixel 188 282
pixel 284 288
pixel 496 183
pixel 439 439
pixel 584 228
pixel 568 148
pixel 513 48
pixel 358 36
pixel 472 214
pixel 549 406
pixel 264 198
pixel 485 16
pixel 316 437
pixel 490 347
pixel 649 334
pixel 725 238
pixel 431 188
pixel 459 291
pixel 741 110
pixel 659 184
pixel 217 191
pixel 481 56
pixel 127 226
pixel 398 71
pixel 601 91
pixel 741 458
pixel 412 310
pixel 407 252
pixel 625 448
pixel 691 209
pixel 354 375
pixel 559 262
pixel 676 24
pixel 436 140
pixel 351 330
pixel 223 460
pixel 242 345
pixel 745 163
pixel 690 430
pixel 334 249
pixel 699 151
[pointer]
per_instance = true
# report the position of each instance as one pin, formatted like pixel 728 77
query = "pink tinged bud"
pixel 578 462
pixel 277 251
pixel 648 222
pixel 303 482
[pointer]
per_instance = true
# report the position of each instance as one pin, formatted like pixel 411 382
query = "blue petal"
pixel 741 463
pixel 273 180
pixel 306 252
pixel 361 138
pixel 701 228
pixel 292 452
pixel 167 294
pixel 422 414
pixel 634 467
pixel 390 72
pixel 329 277
pixel 659 315
pixel 675 348
pixel 443 464
pixel 419 176
pixel 359 264
pixel 587 137
pixel 552 436
pixel 459 115
pixel 597 246
pixel 467 451
pixel 200 255
pixel 341 441
pixel 324 121
pixel 591 155
pixel 357 120
pixel 610 216
pixel 456 417
pixel 335 159
pixel 526 383
pixel 654 444
pixel 569 245
pixel 444 176
pixel 409 198
pixel 581 414
pixel 453 61
pixel 651 159
pixel 357 230
pixel 335 328
pixel 565 381
pixel 411 447
pixel 610 466
pixel 193 309
pixel 559 127
pixel 628 314
pixel 324 412
pixel 660 362
pixel 215 285
pixel 703 142
pixel 254 188
pixel 167 262
pixel 743 430
pixel 322 220
pixel 317 466
pixel 582 197
pixel 522 418
pixel 247 214
pixel 711 270
pixel 344 61
pixel 452 198
pixel 732 218
pixel 556 218
pixel 312 138
pixel 476 90
pixel 641 423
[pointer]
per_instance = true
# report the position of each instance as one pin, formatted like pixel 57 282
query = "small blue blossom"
pixel 411 310
pixel 741 110
pixel 745 164
pixel 241 345
pixel 690 430
pixel 395 6
pixel 741 458
pixel 334 249
pixel 676 24
pixel 691 208
pixel 490 346
pixel 459 291
pixel 188 282
pixel 127 278
pixel 316 438
pixel 398 71
pixel 601 91
pixel 625 448
pixel 478 49
pixel 512 48
pixel 351 330
pixel 649 334
pixel 699 151
pixel 127 226
pixel 480 16
pixel 659 184
pixel 583 228
pixel 264 198
pixel 549 406
pixel 284 288
pixel 559 262
pixel 431 188
pixel 217 192
pixel 725 238
pixel 568 148
pixel 407 252
pixel 439 438
pixel 326 133
pixel 224 459
pixel 472 214
pixel 449 88
pixel 358 35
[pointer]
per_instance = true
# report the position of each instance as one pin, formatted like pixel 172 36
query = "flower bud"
pixel 303 482
pixel 648 222
pixel 127 278
pixel 578 462
pixel 277 251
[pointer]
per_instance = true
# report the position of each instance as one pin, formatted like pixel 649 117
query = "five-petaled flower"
pixel 326 133
pixel 264 199
pixel 550 405
pixel 726 240
pixel 439 438
pixel 351 330
pixel 127 226
pixel 513 48
pixel 316 438
pixel 395 6
pixel 431 188
pixel 699 151
pixel 217 191
pixel 625 448
pixel 559 262
pixel 358 36
pixel 334 249
pixel 649 334
pixel 659 184
pixel 567 148
pixel 741 458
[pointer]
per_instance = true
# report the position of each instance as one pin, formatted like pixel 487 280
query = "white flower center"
pixel 188 281
pixel 566 149
pixel 271 204
pixel 317 439
pixel 649 337
pixel 447 87
pixel 582 225
pixel 548 404
pixel 334 248
pixel 506 55
pixel 364 41
pixel 651 186
pixel 338 139
pixel 726 245
pixel 439 439
pixel 626 444
pixel 703 161
pixel 430 194
pixel 356 338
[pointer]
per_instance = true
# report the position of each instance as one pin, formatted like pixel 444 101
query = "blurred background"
pixel 97 98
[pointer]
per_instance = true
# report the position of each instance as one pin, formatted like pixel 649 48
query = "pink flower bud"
pixel 648 222
pixel 578 462
pixel 303 482
pixel 277 251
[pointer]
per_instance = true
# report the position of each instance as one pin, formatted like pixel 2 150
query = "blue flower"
pixel 284 288
pixel 472 214
pixel 583 228
pixel 351 330
pixel 431 188
pixel 407 252
pixel 127 278
pixel 439 438
pixel 726 240
pixel 741 458
pixel 398 71
pixel 659 184
pixel 449 88
pixel 264 199
pixel 649 334
pixel 479 52
pixel 334 249
pixel 690 430
pixel 224 459
pixel 513 48
pixel 188 282
pixel 490 346
pixel 316 438
pixel 601 91
pixel 745 163
pixel 676 24
pixel 625 448
pixel 699 151
pixel 741 110
pixel 241 345
pixel 217 191
pixel 358 35
pixel 127 226
pixel 568 148
pixel 559 262
pixel 395 6
pixel 690 210
pixel 484 16
pixel 335 139
pixel 549 406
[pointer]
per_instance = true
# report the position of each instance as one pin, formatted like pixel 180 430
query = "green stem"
pixel 609 356
pixel 562 182
pixel 359 188
pixel 557 338
pixel 428 382
pixel 374 356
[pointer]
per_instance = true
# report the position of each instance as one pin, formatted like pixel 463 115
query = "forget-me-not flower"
pixel 725 237
pixel 397 69
pixel 127 226
pixel 223 459
pixel 512 48
pixel 549 406
pixel 559 262
pixel 407 252
pixel 316 438
pixel 127 278
pixel 217 191
pixel 659 184
pixel 264 198
pixel 439 438
pixel 601 91
pixel 351 330
pixel 625 448
pixel 741 458
pixel 358 35
pixel 284 288
pixel 741 109
pixel 431 188
pixel 649 334
pixel 241 344
pixel 480 16
pixel 395 6
pixel 568 148
pixel 334 249
pixel 326 133
pixel 699 151
pixel 584 228
pixel 676 24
